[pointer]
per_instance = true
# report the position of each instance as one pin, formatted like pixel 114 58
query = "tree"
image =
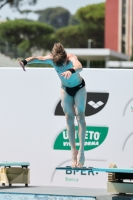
pixel 57 17
pixel 73 20
pixel 92 17
pixel 72 36
pixel 91 26
pixel 16 3
pixel 27 35
pixel 91 13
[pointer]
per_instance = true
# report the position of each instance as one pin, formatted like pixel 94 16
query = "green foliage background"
pixel 20 38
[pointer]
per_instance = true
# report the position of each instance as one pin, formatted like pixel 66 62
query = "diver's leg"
pixel 80 104
pixel 68 108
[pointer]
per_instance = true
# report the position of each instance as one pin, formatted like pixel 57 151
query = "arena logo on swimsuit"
pixel 95 136
pixel 95 103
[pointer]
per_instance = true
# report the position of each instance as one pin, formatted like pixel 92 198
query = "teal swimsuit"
pixel 75 81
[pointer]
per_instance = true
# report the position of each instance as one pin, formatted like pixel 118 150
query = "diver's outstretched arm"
pixel 34 59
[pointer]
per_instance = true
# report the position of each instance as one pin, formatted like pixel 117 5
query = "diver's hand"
pixel 21 64
pixel 66 74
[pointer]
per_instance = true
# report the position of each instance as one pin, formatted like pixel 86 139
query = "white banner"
pixel 33 126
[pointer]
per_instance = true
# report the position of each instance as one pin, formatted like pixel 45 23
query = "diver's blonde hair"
pixel 59 54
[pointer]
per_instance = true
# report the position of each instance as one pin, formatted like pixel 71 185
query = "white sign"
pixel 33 126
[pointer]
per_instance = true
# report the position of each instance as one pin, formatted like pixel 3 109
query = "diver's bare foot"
pixel 74 158
pixel 80 159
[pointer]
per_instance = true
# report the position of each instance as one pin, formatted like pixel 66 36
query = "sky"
pixel 71 5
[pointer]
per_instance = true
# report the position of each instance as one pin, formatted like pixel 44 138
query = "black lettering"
pixel 83 172
pixel 91 172
pixel 68 171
